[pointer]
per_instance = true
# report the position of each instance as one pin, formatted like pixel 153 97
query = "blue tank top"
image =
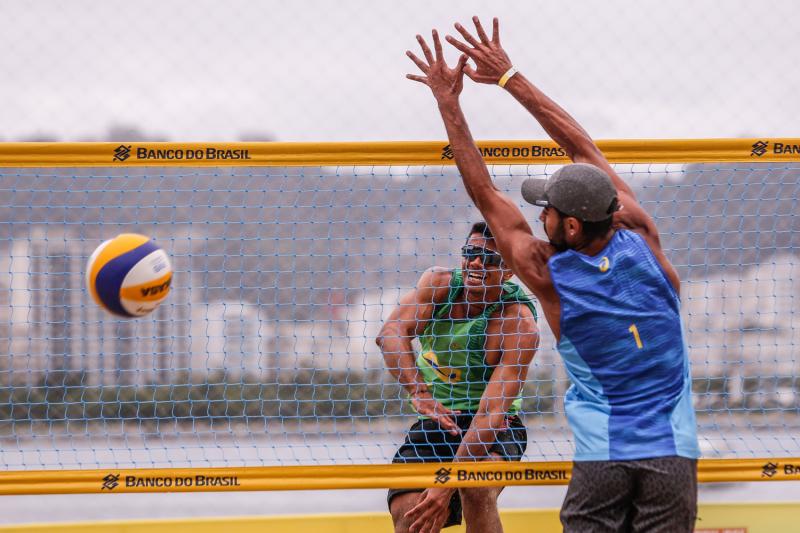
pixel 623 346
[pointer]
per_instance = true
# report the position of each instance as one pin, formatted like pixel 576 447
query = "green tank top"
pixel 452 358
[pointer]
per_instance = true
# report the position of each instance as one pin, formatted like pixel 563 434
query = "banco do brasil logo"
pixel 122 152
pixel 442 475
pixel 759 148
pixel 769 470
pixel 447 152
pixel 110 482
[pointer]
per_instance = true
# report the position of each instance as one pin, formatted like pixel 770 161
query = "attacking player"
pixel 610 296
pixel 477 332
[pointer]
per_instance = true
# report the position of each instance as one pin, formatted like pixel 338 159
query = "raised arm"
pixel 494 65
pixel 512 233
pixel 407 321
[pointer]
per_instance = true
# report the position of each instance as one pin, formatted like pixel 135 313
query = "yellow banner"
pixel 282 154
pixel 454 475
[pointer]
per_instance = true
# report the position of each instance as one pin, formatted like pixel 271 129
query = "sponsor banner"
pixel 781 469
pixel 787 149
pixel 508 152
pixel 410 153
pixel 323 477
pixel 113 481
pixel 473 474
pixel 502 473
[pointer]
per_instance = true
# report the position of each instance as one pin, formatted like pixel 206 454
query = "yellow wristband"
pixel 507 76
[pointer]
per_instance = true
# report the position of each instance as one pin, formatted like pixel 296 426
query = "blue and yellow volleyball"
pixel 129 275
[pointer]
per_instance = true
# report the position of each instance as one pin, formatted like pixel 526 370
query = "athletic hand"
pixel 426 405
pixel 430 513
pixel 490 58
pixel 445 82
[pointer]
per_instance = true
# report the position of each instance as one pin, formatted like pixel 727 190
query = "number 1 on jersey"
pixel 636 337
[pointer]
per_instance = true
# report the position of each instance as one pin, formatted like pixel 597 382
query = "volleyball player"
pixel 610 296
pixel 477 332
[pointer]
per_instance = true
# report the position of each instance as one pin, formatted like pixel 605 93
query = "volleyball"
pixel 129 275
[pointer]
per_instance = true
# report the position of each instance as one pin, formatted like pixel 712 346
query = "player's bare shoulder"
pixel 434 284
pixel 517 317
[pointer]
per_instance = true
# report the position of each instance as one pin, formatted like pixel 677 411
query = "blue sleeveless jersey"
pixel 623 346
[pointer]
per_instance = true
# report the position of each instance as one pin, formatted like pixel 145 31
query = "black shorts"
pixel 426 442
pixel 654 495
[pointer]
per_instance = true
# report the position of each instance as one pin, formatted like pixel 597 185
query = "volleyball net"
pixel 261 369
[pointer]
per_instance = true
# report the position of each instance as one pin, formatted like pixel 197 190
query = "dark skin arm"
pixel 407 321
pixel 492 62
pixel 525 254
pixel 516 339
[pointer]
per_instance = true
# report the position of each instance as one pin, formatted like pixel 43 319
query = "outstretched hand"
pixel 445 82
pixel 488 55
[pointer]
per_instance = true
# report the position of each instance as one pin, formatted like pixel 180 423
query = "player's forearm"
pixel 400 360
pixel 561 127
pixel 468 158
pixel 558 124
pixel 497 399
pixel 480 436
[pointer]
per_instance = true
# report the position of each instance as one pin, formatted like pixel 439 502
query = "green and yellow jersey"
pixel 452 358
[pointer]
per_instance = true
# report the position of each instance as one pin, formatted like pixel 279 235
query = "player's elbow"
pixel 383 335
pixel 388 333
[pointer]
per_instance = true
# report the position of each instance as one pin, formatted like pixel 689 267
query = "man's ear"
pixel 507 274
pixel 572 227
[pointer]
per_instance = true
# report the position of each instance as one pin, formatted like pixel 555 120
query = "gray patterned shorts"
pixel 653 495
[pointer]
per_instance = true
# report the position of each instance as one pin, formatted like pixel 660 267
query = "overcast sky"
pixel 321 70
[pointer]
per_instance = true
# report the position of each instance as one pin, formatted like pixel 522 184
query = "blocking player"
pixel 610 296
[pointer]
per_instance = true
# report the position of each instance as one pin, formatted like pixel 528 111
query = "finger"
pixel 481 34
pixel 415 511
pixel 422 527
pixel 454 430
pixel 420 79
pixel 462 61
pixel 425 49
pixel 461 47
pixel 420 524
pixel 448 423
pixel 417 61
pixel 496 31
pixel 478 78
pixel 426 523
pixel 437 46
pixel 470 72
pixel 466 35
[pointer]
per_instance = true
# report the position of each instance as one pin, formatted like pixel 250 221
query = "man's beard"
pixel 558 240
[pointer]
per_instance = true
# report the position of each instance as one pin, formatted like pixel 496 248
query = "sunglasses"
pixel 488 257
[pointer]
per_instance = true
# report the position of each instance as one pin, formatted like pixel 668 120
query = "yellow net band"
pixel 455 475
pixel 277 154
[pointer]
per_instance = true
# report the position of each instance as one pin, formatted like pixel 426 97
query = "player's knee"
pixel 400 505
pixel 479 499
pixel 401 525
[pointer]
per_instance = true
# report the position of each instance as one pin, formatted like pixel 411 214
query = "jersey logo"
pixel 445 373
pixel 605 264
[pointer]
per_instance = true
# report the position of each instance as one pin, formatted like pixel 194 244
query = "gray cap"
pixel 579 190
